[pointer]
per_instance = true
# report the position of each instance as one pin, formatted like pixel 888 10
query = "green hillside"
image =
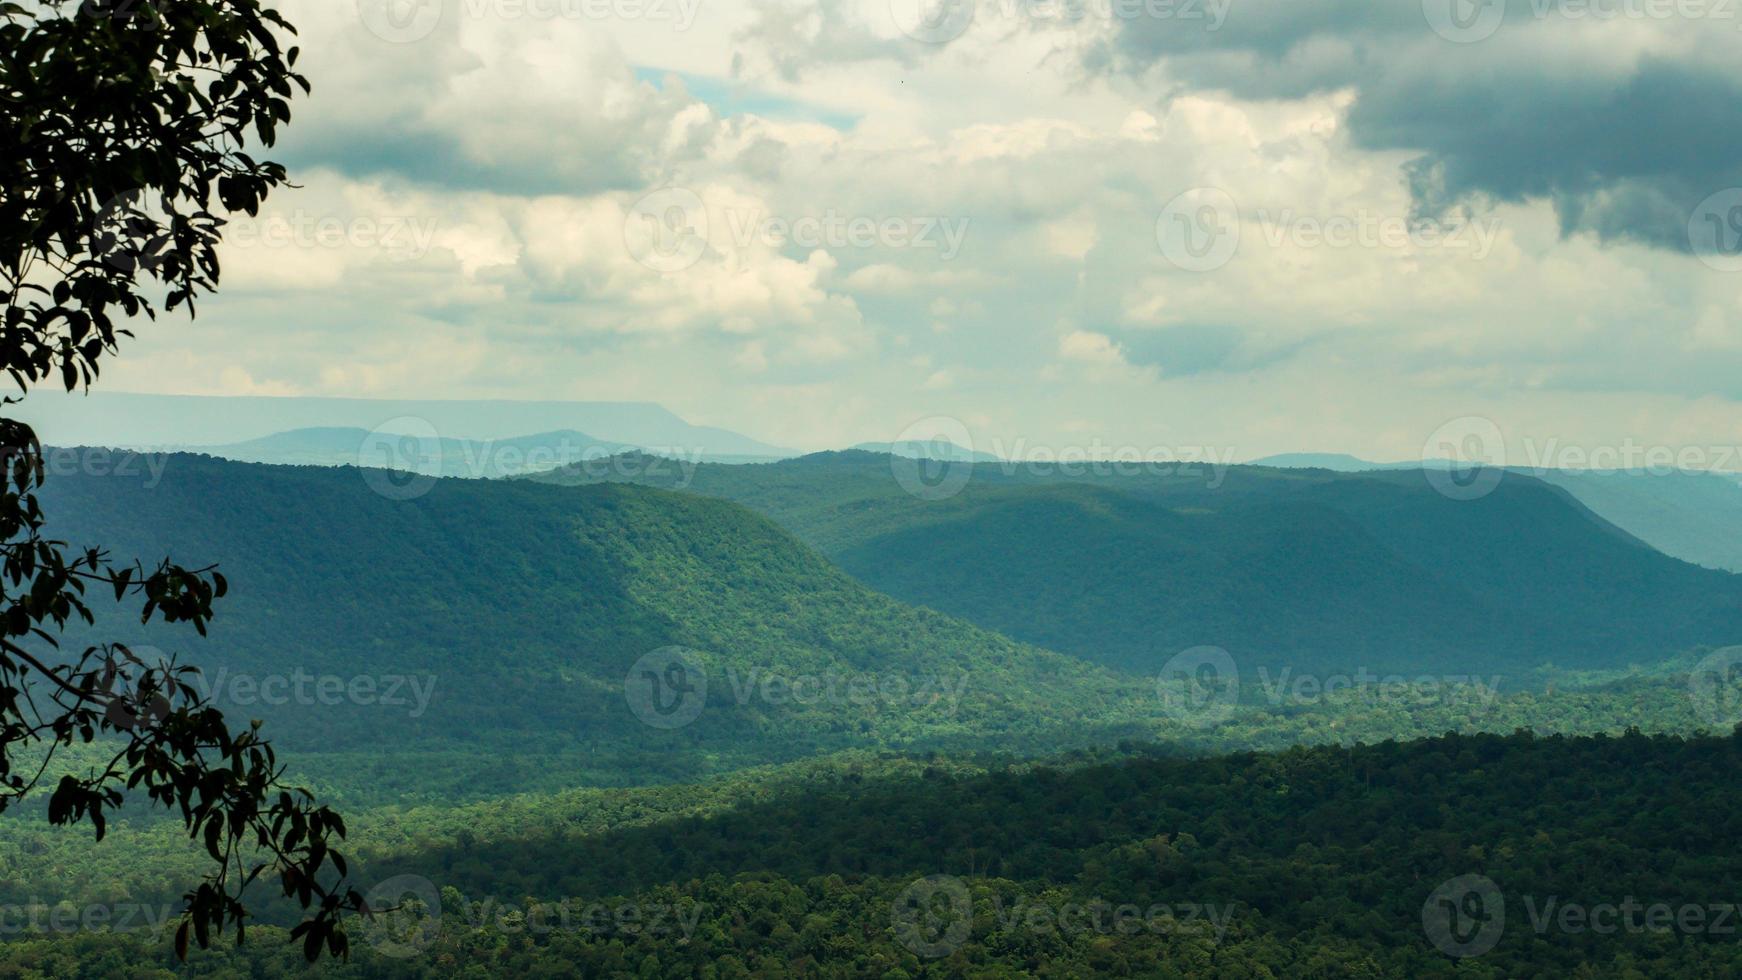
pixel 515 614
pixel 1302 568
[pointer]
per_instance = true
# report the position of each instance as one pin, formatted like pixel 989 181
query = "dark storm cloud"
pixel 1540 105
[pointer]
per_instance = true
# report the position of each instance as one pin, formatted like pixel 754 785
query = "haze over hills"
pixel 940 449
pixel 186 421
pixel 1309 569
pixel 434 457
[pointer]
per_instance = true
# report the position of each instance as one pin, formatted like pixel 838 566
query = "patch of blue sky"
pixel 728 98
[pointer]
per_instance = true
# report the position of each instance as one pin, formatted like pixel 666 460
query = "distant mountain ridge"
pixel 1694 516
pixel 186 421
pixel 434 456
pixel 1313 570
pixel 939 449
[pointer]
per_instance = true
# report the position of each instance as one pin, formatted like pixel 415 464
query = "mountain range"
pixel 163 422
pixel 1301 569
pixel 1694 516
pixel 519 614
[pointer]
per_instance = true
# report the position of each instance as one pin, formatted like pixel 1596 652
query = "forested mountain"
pixel 516 613
pixel 1304 568
pixel 1483 856
pixel 527 613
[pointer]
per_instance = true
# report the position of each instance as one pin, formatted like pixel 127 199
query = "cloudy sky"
pixel 1261 225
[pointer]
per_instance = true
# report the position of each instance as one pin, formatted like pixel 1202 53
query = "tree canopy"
pixel 123 146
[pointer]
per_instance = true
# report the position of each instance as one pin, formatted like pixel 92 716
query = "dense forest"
pixel 1590 856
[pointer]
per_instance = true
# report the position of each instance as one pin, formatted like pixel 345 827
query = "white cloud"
pixel 523 144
